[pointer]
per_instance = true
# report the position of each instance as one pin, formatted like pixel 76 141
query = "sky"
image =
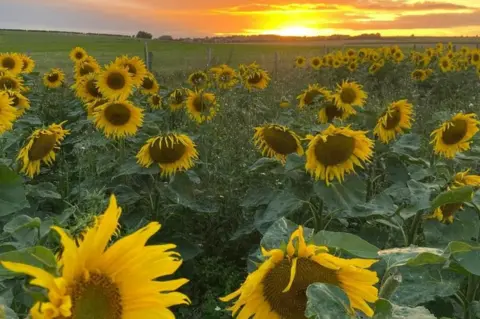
pixel 198 18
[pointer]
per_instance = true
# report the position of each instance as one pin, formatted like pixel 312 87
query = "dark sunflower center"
pixel 115 81
pixel 292 304
pixel 25 65
pixel 398 55
pixel 476 57
pixel 131 68
pixel 353 66
pixel 92 89
pixel 178 98
pixel 445 63
pixel 348 95
pixel 147 83
pixel 8 83
pixel 455 132
pixel 156 100
pixel 166 153
pixel 332 112
pixel 393 118
pixel 97 298
pixel 198 79
pixel 79 55
pixel 300 61
pixel 43 144
pixel 316 62
pixel 417 74
pixel 15 100
pixel 225 77
pixel 200 103
pixel 361 54
pixel 278 140
pixel 117 114
pixel 255 79
pixel 53 77
pixel 86 69
pixel 336 150
pixel 310 96
pixel 8 63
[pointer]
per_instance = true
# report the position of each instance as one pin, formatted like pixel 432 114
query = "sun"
pixel 298 31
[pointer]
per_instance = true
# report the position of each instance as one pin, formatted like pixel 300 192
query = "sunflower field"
pixel 343 185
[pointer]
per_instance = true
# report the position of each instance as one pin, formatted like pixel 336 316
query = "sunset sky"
pixel 193 18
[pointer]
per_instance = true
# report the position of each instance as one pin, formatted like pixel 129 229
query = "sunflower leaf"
pixel 457 195
pixel 327 302
pixel 12 192
pixel 345 241
pixel 384 309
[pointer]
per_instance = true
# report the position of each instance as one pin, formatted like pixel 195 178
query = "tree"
pixel 144 35
pixel 165 38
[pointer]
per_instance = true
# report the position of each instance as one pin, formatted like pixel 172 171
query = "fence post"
pixel 275 66
pixel 150 61
pixel 209 57
pixel 145 54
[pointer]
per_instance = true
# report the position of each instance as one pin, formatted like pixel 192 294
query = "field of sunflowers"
pixel 344 186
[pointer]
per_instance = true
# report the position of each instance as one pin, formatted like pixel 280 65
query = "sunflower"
pixel 198 79
pixel 455 135
pixel 115 82
pixel 330 111
pixel 149 84
pixel 86 88
pixel 439 47
pixel 41 147
pixel 10 82
pixel 337 63
pixel 85 68
pixel 78 54
pixel 155 101
pixel 176 99
pixel 465 50
pixel 277 141
pixel 336 151
pixel 171 152
pixel 348 95
pixel 12 62
pixel 374 68
pixel 363 53
pixel 201 106
pixel 465 179
pixel 398 56
pixel 475 59
pixel 19 102
pixel 300 62
pixel 316 62
pixel 446 213
pixel 284 102
pixel 54 78
pixel 312 95
pixel 350 52
pixel 352 66
pixel 445 64
pixel 135 67
pixel 374 56
pixel 226 77
pixel 93 105
pixel 256 78
pixel 419 75
pixel 118 119
pixel 276 290
pixel 98 280
pixel 28 63
pixel 396 119
pixel 8 114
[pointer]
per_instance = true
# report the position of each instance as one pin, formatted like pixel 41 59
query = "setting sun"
pixel 294 31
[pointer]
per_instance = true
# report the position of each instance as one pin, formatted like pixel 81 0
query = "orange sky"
pixel 182 18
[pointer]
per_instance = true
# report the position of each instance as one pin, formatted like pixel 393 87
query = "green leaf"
pixel 407 144
pixel 126 195
pixel 395 257
pixel 294 161
pixel 386 310
pixel 469 260
pixel 12 193
pixel 348 242
pixel 381 204
pixel 43 190
pixel 257 196
pixel 343 196
pixel 21 221
pixel 264 163
pixel 7 313
pixel 457 195
pixel 327 302
pixel 426 258
pixel 419 199
pixel 131 168
pixel 37 256
pixel 396 169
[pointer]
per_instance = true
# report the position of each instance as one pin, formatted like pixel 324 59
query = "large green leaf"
pixel 264 163
pixel 407 144
pixel 6 312
pixel 294 161
pixel 327 302
pixel 350 243
pixel 413 256
pixel 381 204
pixel 396 169
pixel 12 192
pixel 258 196
pixel 343 196
pixel 37 256
pixel 24 229
pixel 386 310
pixel 279 234
pixel 457 195
pixel 43 190
pixel 419 198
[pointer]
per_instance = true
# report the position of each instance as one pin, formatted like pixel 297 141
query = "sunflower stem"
pixel 470 296
pixel 413 231
pixel 390 286
pixel 318 217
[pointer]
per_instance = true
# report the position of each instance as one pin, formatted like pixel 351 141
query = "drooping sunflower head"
pixel 455 135
pixel 201 106
pixel 86 67
pixel 465 179
pixel 135 68
pixel 54 78
pixel 374 68
pixel 41 147
pixel 115 82
pixel 313 95
pixel 348 95
pixel 394 121
pixel 277 289
pixel 300 61
pixel 256 78
pixel 363 53
pixel 177 98
pixel 475 57
pixel 419 75
pixel 352 66
pixel 171 152
pixel 149 84
pixel 330 112
pixel 99 280
pixel 10 82
pixel 93 105
pixel 11 62
pixel 118 118
pixel 198 79
pixel 86 88
pixel 155 101
pixel 78 54
pixel 445 64
pixel 277 141
pixel 446 213
pixel 316 62
pixel 398 56
pixel 226 78
pixel 336 151
pixel 350 52
pixel 8 114
pixel 28 63
pixel 19 102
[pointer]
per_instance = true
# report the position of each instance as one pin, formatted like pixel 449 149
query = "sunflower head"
pixel 135 68
pixel 394 121
pixel 465 179
pixel 313 95
pixel 316 63
pixel 171 152
pixel 277 141
pixel 284 102
pixel 256 78
pixel 300 62
pixel 278 286
pixel 455 135
pixel 352 66
pixel 115 82
pixel 201 106
pixel 419 75
pixel 10 82
pixel 86 88
pixel 41 147
pixel 86 67
pixel 198 79
pixel 11 62
pixel 149 84
pixel 19 102
pixel 348 95
pixel 8 114
pixel 475 57
pixel 226 77
pixel 118 118
pixel 28 63
pixel 54 78
pixel 330 112
pixel 92 106
pixel 445 64
pixel 155 101
pixel 78 54
pixel 374 68
pixel 336 151
pixel 177 98
pixel 446 213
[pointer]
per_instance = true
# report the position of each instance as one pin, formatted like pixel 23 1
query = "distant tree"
pixel 144 35
pixel 165 37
